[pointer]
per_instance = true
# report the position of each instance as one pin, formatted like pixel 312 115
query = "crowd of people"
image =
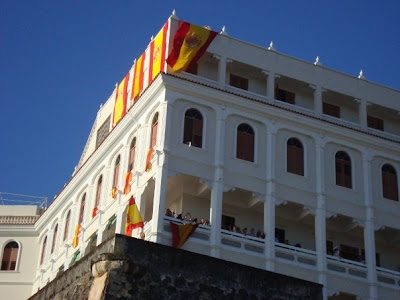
pixel 186 218
pixel 252 232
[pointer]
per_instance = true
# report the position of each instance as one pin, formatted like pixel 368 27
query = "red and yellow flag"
pixel 148 159
pixel 189 44
pixel 128 178
pixel 137 82
pixel 114 192
pixel 120 100
pixel 133 217
pixel 75 241
pixel 180 233
pixel 157 53
pixel 94 211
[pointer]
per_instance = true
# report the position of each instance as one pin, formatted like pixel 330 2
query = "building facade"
pixel 294 166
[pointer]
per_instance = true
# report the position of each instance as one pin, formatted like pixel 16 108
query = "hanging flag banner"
pixel 137 82
pixel 148 159
pixel 120 100
pixel 189 44
pixel 127 187
pixel 133 218
pixel 181 232
pixel 157 53
pixel 75 241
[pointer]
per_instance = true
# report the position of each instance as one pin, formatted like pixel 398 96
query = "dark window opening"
pixel 343 169
pixel 285 96
pixel 193 128
pixel 10 256
pixel 295 157
pixel 389 183
pixel 245 142
pixel 239 82
pixel 375 123
pixel 331 110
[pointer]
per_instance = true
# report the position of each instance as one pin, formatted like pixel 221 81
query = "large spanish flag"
pixel 157 53
pixel 189 44
pixel 133 217
pixel 120 101
pixel 180 233
pixel 137 82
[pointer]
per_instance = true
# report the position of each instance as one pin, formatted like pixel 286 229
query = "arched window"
pixel 245 142
pixel 44 246
pixel 193 128
pixel 116 171
pixel 295 156
pixel 389 183
pixel 343 169
pixel 82 209
pixel 53 243
pixel 10 256
pixel 98 191
pixel 132 150
pixel 66 228
pixel 154 125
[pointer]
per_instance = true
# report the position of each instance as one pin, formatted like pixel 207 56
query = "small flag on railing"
pixel 180 233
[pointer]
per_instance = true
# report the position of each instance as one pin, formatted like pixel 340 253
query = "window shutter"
pixel 197 132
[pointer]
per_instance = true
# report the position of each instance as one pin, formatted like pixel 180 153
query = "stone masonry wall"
pixel 129 268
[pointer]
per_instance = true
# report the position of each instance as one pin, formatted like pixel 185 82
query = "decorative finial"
pixel 271 46
pixel 173 15
pixel 223 31
pixel 361 76
pixel 317 61
pixel 151 38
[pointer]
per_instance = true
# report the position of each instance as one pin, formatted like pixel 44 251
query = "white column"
pixel 121 218
pixel 221 70
pixel 317 98
pixel 320 216
pixel 217 185
pixel 161 176
pixel 369 229
pixel 270 85
pixel 269 204
pixel 362 113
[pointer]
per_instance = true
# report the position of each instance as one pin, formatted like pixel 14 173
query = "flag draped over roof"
pixel 189 44
pixel 75 241
pixel 157 53
pixel 133 217
pixel 120 100
pixel 180 233
pixel 137 82
pixel 127 187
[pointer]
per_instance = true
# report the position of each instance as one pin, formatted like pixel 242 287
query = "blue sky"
pixel 59 60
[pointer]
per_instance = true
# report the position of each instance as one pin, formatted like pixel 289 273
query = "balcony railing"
pixel 388 277
pixel 346 266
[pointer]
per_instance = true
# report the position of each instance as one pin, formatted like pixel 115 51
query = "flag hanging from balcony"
pixel 148 159
pixel 181 232
pixel 75 241
pixel 114 192
pixel 127 187
pixel 120 100
pixel 94 211
pixel 133 217
pixel 157 53
pixel 137 82
pixel 189 44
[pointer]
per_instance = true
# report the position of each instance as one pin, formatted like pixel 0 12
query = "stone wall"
pixel 136 269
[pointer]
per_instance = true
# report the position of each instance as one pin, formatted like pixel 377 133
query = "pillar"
pixel 270 85
pixel 320 216
pixel 269 203
pixel 362 113
pixel 369 228
pixel 217 185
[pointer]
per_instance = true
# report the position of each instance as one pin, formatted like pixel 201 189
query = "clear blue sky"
pixel 59 60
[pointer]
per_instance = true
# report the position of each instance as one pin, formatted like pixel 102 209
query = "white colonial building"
pixel 304 157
